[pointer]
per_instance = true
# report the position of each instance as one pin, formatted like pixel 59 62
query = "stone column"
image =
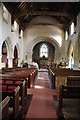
pixel 76 58
pixel 19 62
pixel 76 63
pixel 29 55
pixel 10 62
pixel 78 23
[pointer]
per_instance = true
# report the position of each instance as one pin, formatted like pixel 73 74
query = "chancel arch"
pixel 43 53
pixel 29 51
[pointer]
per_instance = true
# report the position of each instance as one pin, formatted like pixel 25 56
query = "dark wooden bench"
pixel 10 82
pixel 33 76
pixel 66 92
pixel 60 75
pixel 14 98
pixel 55 74
pixel 52 77
pixel 17 69
pixel 28 74
pixel 4 108
pixel 73 81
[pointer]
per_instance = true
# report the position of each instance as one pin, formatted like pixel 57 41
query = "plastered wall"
pixel 12 39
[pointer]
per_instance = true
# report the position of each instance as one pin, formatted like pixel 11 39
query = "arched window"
pixel 4 55
pixel 72 61
pixel 4 49
pixel 66 35
pixel 72 28
pixel 44 51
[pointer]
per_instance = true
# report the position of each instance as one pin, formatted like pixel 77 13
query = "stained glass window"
pixel 44 51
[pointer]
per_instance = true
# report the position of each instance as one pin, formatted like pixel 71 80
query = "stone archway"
pixel 31 45
pixel 9 55
pixel 15 60
pixel 4 55
pixel 9 47
pixel 43 57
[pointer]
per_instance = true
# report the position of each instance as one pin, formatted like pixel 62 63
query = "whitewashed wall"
pixel 12 39
pixel 74 39
pixel 35 32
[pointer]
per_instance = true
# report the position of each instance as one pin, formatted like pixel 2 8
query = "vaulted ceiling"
pixel 24 12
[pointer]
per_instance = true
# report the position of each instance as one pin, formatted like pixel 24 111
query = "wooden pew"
pixel 23 73
pixel 73 81
pixel 4 108
pixel 61 74
pixel 52 77
pixel 15 80
pixel 17 69
pixel 14 99
pixel 66 92
pixel 13 77
pixel 32 77
pixel 9 82
pixel 21 77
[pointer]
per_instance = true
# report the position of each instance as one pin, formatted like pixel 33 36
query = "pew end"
pixel 4 108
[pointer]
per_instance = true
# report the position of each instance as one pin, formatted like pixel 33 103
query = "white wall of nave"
pixel 35 33
pixel 45 30
pixel 12 39
pixel 74 39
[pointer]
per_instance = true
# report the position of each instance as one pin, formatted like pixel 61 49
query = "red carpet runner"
pixel 42 104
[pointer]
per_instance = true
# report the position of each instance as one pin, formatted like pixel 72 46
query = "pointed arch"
pixel 31 45
pixel 9 50
pixel 15 60
pixel 10 47
pixel 16 55
pixel 4 55
pixel 18 49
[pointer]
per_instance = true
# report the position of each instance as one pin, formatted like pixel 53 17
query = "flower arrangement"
pixel 23 64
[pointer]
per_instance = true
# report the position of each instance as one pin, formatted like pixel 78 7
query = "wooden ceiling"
pixel 24 12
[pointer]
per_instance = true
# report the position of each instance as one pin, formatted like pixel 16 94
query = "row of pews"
pixel 67 82
pixel 13 89
pixel 59 76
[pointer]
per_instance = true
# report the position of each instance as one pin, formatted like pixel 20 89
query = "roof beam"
pixel 40 13
pixel 24 25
